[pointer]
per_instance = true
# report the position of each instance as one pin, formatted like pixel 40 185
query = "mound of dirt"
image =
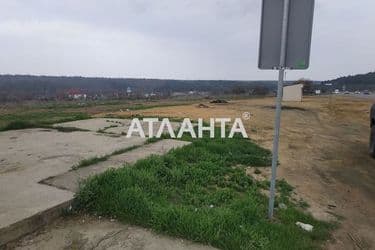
pixel 219 101
pixel 286 108
pixel 201 105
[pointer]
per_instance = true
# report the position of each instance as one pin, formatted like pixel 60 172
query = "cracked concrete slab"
pixel 31 155
pixel 27 157
pixel 70 180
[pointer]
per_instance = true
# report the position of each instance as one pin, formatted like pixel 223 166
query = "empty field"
pixel 323 155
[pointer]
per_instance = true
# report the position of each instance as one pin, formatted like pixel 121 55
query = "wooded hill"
pixel 354 82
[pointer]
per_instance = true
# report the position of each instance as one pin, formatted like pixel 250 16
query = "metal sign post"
pixel 275 150
pixel 285 44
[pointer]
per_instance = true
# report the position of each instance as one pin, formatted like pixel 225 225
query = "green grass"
pixel 38 115
pixel 20 124
pixel 103 130
pixel 201 192
pixel 141 106
pixel 124 150
pixel 68 129
pixel 96 159
pixel 303 204
pixel 37 119
pixel 90 161
pixel 141 116
pixel 102 104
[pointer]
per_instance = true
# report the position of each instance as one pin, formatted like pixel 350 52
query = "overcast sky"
pixel 184 39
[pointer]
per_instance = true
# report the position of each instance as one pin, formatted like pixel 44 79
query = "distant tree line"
pixel 27 87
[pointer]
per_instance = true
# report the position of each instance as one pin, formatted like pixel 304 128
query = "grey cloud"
pixel 193 39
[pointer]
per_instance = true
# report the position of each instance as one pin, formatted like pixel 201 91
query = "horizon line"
pixel 150 78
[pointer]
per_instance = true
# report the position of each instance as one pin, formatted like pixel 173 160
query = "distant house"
pixel 293 93
pixel 76 94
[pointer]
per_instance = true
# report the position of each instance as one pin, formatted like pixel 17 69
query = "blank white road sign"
pixel 300 24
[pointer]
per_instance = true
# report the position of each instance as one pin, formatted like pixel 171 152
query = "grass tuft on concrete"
pixel 96 159
pixel 90 161
pixel 195 192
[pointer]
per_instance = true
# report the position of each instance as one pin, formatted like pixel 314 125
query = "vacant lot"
pixel 323 153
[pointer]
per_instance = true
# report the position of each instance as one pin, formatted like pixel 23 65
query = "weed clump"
pixel 194 192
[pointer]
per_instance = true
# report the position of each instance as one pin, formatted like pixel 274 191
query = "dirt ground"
pixel 323 153
pixel 87 232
